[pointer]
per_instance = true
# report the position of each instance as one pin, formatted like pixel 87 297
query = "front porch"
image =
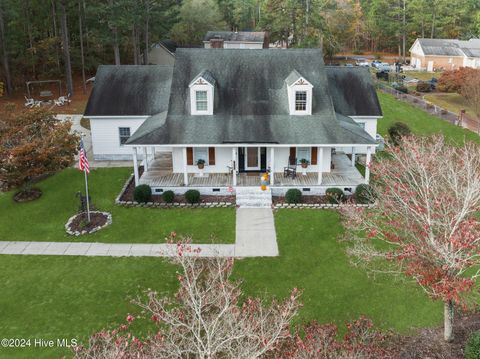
pixel 160 175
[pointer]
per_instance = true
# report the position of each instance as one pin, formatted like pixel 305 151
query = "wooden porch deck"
pixel 160 175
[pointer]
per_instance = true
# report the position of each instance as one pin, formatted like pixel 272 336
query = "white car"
pixel 383 66
pixel 362 63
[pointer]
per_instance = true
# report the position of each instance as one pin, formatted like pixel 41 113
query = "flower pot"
pixel 304 165
pixel 201 166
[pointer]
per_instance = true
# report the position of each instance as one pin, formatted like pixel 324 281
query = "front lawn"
pixel 71 297
pixel 453 102
pixel 420 122
pixel 45 218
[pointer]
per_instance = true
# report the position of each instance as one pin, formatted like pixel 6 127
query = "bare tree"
pixel 205 319
pixel 116 46
pixel 428 196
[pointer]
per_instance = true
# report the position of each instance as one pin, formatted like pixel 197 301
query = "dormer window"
pixel 202 90
pixel 299 94
pixel 300 100
pixel 201 101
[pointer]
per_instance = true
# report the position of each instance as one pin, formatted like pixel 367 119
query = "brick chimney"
pixel 216 43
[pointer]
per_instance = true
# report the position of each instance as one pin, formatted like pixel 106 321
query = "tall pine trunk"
pixel 82 56
pixel 55 34
pixel 66 48
pixel 116 47
pixel 147 20
pixel 6 68
pixel 448 313
pixel 134 45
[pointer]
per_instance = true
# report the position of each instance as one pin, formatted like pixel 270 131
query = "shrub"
pixel 142 193
pixel 472 349
pixel 423 86
pixel 364 194
pixel 293 195
pixel 397 131
pixel 453 80
pixel 334 195
pixel 168 196
pixel 192 196
pixel 402 88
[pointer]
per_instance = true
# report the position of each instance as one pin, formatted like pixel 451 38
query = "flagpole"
pixel 86 191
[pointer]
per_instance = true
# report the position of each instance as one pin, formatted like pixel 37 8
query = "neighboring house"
pixel 123 97
pixel 447 54
pixel 162 53
pixel 242 112
pixel 235 40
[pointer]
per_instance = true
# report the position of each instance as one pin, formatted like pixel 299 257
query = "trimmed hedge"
pixel 364 194
pixel 192 196
pixel 423 86
pixel 334 195
pixel 397 131
pixel 168 196
pixel 472 349
pixel 293 195
pixel 142 193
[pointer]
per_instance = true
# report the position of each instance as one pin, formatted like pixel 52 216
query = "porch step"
pixel 253 197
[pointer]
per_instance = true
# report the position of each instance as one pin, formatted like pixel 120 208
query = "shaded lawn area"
pixel 45 218
pixel 453 102
pixel 423 75
pixel 72 297
pixel 420 122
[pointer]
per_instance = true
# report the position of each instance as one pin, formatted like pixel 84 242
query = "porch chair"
pixel 291 169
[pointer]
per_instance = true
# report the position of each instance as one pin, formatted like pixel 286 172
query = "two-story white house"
pixel 235 114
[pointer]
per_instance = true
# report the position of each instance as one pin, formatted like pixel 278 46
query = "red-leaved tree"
pixel 428 198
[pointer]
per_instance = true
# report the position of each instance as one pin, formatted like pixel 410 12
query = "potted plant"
pixel 201 164
pixel 304 163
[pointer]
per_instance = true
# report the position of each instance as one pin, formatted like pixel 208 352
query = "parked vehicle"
pixel 362 63
pixel 383 66
pixel 375 63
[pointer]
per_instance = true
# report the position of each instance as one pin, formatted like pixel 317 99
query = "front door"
pixel 252 158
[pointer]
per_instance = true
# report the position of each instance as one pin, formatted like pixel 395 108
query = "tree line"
pixel 52 38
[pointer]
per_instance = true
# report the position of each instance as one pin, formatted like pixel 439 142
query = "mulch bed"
pixel 27 196
pixel 79 223
pixel 429 343
pixel 156 198
pixel 307 199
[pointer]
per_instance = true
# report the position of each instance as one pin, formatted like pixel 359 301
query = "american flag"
pixel 82 159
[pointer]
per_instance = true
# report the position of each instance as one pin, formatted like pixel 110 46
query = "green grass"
pixel 453 102
pixel 420 122
pixel 312 259
pixel 72 297
pixel 45 218
pixel 423 75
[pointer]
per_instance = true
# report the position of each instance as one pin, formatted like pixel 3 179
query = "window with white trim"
pixel 300 100
pixel 200 153
pixel 124 134
pixel 201 100
pixel 304 153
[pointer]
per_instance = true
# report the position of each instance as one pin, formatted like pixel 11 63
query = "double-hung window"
pixel 300 100
pixel 124 134
pixel 200 153
pixel 201 100
pixel 303 153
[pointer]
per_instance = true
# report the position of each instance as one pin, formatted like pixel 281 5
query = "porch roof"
pixel 206 130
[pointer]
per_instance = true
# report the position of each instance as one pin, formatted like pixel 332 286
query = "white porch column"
pixel 272 166
pixel 320 164
pixel 367 164
pixel 234 166
pixel 145 159
pixel 153 152
pixel 185 173
pixel 135 166
pixel 353 156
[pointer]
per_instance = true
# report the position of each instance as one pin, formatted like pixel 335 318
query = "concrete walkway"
pixel 255 237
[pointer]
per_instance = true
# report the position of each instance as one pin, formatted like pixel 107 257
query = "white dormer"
pixel 202 93
pixel 299 94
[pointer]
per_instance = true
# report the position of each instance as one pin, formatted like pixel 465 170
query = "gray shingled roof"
pixel 240 36
pixel 251 104
pixel 130 90
pixel 449 47
pixel 353 91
